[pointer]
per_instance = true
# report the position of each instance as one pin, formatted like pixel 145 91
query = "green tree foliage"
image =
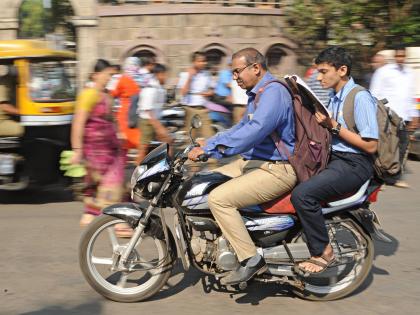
pixel 36 21
pixel 364 26
pixel 32 17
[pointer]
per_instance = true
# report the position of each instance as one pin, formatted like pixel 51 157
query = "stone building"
pixel 171 30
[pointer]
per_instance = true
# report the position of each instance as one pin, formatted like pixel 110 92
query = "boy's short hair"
pixel 197 54
pixel 335 56
pixel 159 68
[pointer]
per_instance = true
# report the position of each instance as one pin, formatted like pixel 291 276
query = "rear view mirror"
pixel 196 122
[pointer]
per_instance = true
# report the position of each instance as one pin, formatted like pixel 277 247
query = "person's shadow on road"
pixel 384 249
pixel 89 308
pixel 257 291
pixel 253 294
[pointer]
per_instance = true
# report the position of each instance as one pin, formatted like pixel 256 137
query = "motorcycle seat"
pixel 283 205
pixel 353 198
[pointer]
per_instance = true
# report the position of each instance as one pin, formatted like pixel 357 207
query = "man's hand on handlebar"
pixel 197 154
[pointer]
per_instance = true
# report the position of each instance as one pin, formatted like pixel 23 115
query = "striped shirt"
pixel 316 87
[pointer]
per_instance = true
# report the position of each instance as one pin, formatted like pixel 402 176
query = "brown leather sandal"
pixel 305 273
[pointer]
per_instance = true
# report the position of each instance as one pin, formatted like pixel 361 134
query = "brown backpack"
pixel 387 159
pixel 312 141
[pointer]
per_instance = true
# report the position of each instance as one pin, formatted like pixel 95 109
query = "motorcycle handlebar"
pixel 203 157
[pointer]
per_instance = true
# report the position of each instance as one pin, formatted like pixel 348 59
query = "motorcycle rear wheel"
pixel 96 258
pixel 340 281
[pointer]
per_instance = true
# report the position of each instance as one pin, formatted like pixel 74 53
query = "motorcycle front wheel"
pixel 354 251
pixel 145 273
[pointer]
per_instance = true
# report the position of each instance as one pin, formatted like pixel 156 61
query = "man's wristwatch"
pixel 336 130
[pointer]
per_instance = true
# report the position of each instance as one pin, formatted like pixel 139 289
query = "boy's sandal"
pixel 306 273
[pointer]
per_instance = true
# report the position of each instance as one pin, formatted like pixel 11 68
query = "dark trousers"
pixel 345 173
pixel 404 135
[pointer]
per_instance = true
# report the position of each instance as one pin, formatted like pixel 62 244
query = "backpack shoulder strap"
pixel 348 108
pixel 261 90
pixel 281 147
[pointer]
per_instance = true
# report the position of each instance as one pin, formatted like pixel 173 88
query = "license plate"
pixel 7 165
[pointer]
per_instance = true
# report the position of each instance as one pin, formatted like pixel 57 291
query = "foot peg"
pixel 242 285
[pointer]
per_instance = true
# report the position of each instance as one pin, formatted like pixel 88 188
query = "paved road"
pixel 39 272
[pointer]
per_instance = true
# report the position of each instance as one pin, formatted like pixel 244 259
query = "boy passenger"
pixel 350 157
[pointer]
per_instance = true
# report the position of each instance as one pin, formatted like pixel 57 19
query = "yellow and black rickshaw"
pixel 43 90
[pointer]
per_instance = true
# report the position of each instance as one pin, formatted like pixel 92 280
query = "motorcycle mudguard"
pixel 127 211
pixel 367 219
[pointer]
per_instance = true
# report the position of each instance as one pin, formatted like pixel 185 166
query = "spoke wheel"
pixel 145 273
pixel 354 250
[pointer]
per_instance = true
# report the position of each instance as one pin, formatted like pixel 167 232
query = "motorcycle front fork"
pixel 138 231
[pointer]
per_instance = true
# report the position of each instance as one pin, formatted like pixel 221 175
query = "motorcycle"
pixel 134 270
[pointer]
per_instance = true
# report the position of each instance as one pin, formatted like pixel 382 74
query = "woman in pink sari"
pixel 94 141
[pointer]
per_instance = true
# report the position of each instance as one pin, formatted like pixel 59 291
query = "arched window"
pixel 145 53
pixel 214 58
pixel 278 58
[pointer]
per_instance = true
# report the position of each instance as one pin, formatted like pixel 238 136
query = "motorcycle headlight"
pixel 139 170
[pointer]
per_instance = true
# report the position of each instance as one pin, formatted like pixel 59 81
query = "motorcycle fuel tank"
pixel 193 194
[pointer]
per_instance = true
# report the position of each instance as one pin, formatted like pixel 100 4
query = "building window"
pixel 275 57
pixel 214 58
pixel 145 53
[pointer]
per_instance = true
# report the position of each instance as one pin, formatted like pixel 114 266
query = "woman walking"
pixel 94 141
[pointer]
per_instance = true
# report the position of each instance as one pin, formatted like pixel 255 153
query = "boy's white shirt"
pixel 151 98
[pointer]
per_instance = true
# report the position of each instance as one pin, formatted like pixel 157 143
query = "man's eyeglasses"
pixel 236 72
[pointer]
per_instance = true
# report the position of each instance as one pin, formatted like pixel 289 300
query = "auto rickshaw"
pixel 43 90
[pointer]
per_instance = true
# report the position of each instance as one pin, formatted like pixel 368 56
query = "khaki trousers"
pixel 206 130
pixel 254 182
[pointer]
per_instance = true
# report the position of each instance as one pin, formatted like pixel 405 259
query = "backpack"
pixel 387 162
pixel 312 141
pixel 133 117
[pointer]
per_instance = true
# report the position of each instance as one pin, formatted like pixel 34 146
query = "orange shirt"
pixel 126 87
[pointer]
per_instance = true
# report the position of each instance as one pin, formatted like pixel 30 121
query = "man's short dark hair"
pixel 399 47
pixel 335 56
pixel 196 54
pixel 251 56
pixel 159 68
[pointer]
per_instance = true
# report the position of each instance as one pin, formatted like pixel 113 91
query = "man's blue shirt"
pixel 251 136
pixel 364 116
pixel 225 78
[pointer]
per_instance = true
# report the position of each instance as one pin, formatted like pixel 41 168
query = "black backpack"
pixel 133 118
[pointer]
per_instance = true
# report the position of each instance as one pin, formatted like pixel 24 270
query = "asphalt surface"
pixel 39 271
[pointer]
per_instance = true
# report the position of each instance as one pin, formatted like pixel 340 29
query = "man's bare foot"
pixel 312 267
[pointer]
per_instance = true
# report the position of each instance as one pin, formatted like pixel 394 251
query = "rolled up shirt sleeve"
pixel 269 114
pixel 365 109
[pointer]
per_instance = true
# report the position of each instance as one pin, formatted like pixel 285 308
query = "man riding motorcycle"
pixel 262 173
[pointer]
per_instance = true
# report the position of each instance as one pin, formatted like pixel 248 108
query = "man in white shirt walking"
pixel 395 82
pixel 152 99
pixel 195 87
